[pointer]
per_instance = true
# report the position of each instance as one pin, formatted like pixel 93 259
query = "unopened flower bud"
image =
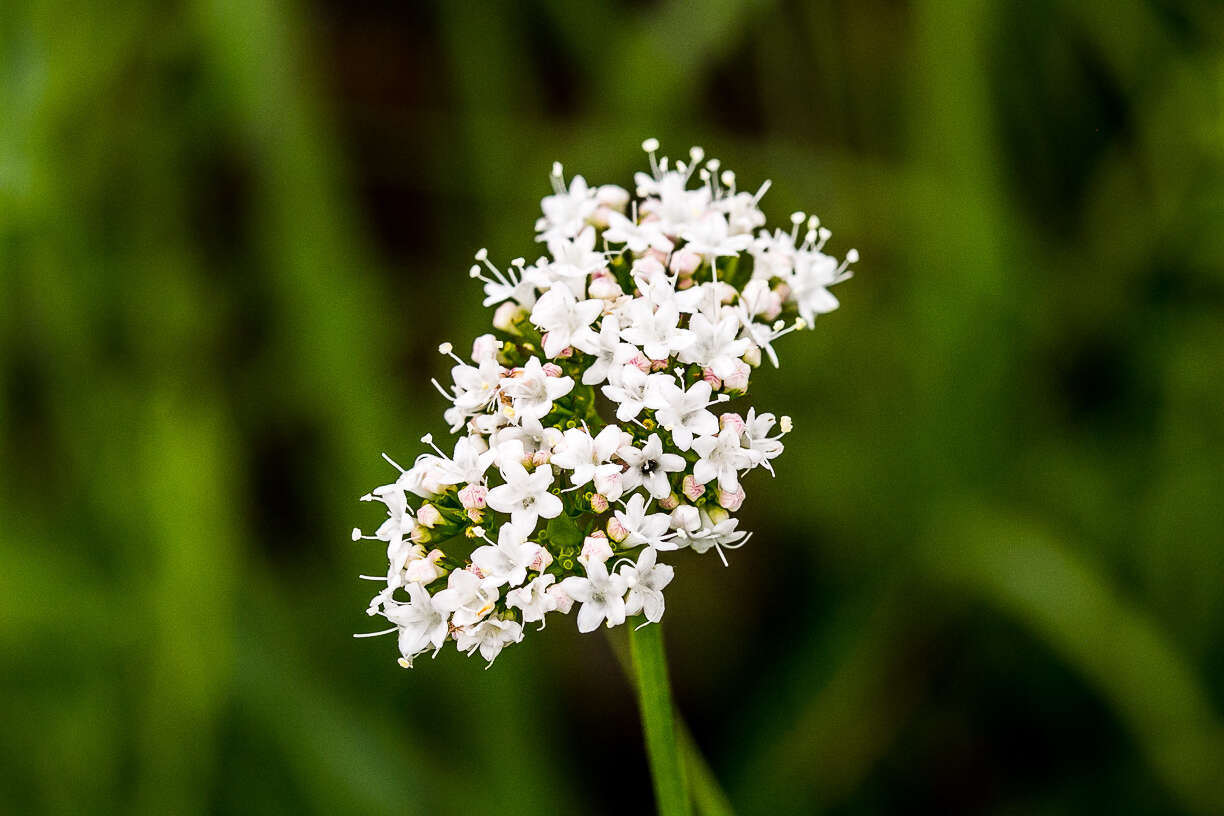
pixel 753 355
pixel 731 420
pixel 641 362
pixel 605 287
pixel 540 457
pixel 717 514
pixel 659 365
pixel 422 571
pixel 420 535
pixel 485 347
pixel 564 602
pixel 685 517
pixel 563 354
pixel 669 502
pixel 599 503
pixel 731 501
pixel 783 292
pixel 612 195
pixel 691 489
pixel 552 369
pixel 596 549
pixel 685 262
pixel 710 377
pixel 541 559
pixel 475 514
pixel 648 267
pixel 473 496
pixel 507 315
pixel 737 382
pixel 428 516
pixel 616 530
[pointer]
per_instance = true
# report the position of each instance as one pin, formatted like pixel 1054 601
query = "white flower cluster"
pixel 589 444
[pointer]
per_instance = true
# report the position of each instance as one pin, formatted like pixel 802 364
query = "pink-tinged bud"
pixel 731 420
pixel 541 559
pixel 726 292
pixel 428 516
pixel 612 195
pixel 710 377
pixel 783 291
pixel 656 254
pixel 737 382
pixel 605 287
pixel 552 369
pixel 641 362
pixel 599 503
pixel 659 365
pixel 540 457
pixel 477 571
pixel 473 496
pixel 753 355
pixel 669 502
pixel 773 307
pixel 616 530
pixel 598 534
pixel 649 267
pixel 564 602
pixel 601 216
pixel 475 514
pixel 435 555
pixel 422 571
pixel 485 347
pixel 610 485
pixel 731 501
pixel 685 517
pixel 685 262
pixel 691 489
pixel 684 283
pixel 595 549
pixel 563 354
pixel 507 315
pixel 717 514
pixel 420 535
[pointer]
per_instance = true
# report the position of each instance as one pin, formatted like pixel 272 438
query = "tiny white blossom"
pixel 534 600
pixel 586 456
pixel 566 321
pixel 420 623
pixel 722 457
pixel 649 466
pixel 642 527
pixel 466 599
pixel 532 392
pixel 507 561
pixel 684 414
pixel 602 596
pixel 646 580
pixel 490 636
pixel 525 495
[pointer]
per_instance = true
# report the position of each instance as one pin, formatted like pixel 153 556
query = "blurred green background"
pixel 989 577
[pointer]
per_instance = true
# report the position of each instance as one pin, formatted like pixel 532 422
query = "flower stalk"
pixel 659 719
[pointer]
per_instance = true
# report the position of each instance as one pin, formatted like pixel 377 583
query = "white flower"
pixel 532 391
pixel 646 581
pixel 715 344
pixel 710 237
pixel 533 600
pixel 601 596
pixel 756 437
pixel 525 495
pixel 649 466
pixel 507 561
pixel 609 352
pixel 468 464
pixel 719 535
pixel 722 457
pixel 566 211
pixel 466 599
pixel 531 436
pixel 814 273
pixel 629 388
pixel 490 636
pixel 420 623
pixel 637 238
pixel 684 414
pixel 586 456
pixel 656 331
pixel 573 260
pixel 566 321
pixel 642 527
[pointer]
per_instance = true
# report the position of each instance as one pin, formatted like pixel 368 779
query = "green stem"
pixel 658 719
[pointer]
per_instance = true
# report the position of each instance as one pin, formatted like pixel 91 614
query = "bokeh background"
pixel 989 577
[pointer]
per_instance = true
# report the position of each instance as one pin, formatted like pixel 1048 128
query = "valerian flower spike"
pixel 593 431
